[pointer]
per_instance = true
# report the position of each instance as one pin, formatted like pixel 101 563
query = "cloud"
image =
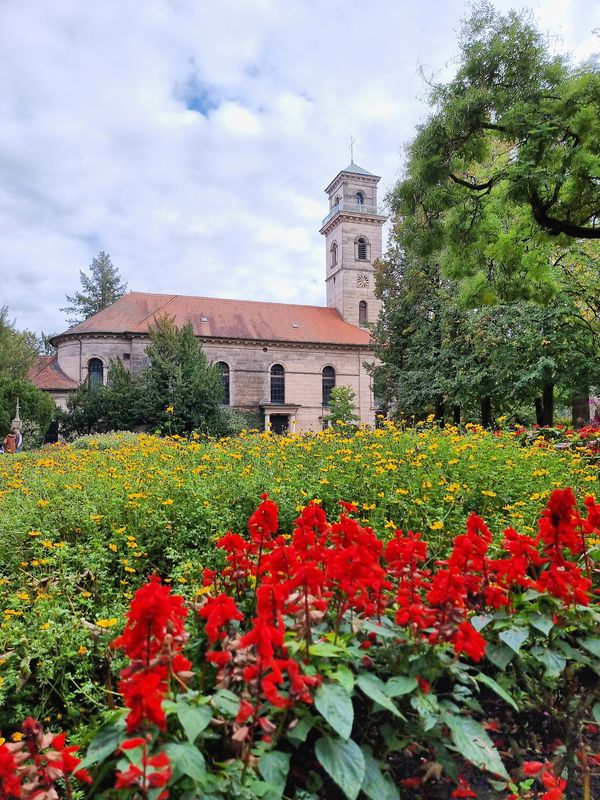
pixel 193 140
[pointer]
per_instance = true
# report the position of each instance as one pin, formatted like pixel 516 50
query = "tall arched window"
pixel 277 384
pixel 224 369
pixel 360 199
pixel 334 254
pixel 362 312
pixel 362 249
pixel 328 381
pixel 95 372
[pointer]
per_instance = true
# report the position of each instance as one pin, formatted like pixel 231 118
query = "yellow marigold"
pixel 488 493
pixel 43 503
pixel 45 626
pixel 168 502
pixel 17 736
pixel 112 547
pixel 34 533
pixel 437 525
pixel 82 651
pixel 107 623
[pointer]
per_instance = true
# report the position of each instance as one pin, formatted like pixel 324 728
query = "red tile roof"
pixel 213 317
pixel 46 374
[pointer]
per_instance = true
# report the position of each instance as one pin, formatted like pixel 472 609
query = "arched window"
pixel 360 199
pixel 362 312
pixel 95 372
pixel 334 254
pixel 328 381
pixel 277 384
pixel 337 201
pixel 362 249
pixel 224 369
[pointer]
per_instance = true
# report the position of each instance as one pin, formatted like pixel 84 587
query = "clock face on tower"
pixel 362 281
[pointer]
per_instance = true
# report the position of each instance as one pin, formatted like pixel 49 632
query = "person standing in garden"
pixel 11 442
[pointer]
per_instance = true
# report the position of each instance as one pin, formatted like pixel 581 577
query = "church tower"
pixel 353 242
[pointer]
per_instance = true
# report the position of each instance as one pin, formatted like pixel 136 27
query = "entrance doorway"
pixel 279 423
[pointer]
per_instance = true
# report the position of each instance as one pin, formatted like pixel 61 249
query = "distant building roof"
pixel 46 374
pixel 213 317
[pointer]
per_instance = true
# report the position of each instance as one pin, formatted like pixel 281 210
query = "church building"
pixel 280 358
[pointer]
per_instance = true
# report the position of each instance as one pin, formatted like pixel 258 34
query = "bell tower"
pixel 353 242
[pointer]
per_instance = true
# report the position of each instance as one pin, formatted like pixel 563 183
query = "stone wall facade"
pixel 249 365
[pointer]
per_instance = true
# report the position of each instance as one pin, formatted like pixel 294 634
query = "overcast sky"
pixel 192 139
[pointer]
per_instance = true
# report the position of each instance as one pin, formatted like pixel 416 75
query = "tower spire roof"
pixel 356 170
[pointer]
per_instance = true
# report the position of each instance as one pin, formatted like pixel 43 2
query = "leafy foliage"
pixel 99 290
pixel 342 406
pixel 501 180
pixel 178 392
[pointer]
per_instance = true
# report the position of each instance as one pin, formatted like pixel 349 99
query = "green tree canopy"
pixel 178 391
pixel 502 179
pixel 17 354
pixel 342 406
pixel 99 290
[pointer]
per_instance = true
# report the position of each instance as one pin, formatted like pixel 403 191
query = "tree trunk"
pixel 439 411
pixel 580 410
pixel 486 412
pixel 539 411
pixel 548 399
pixel 456 415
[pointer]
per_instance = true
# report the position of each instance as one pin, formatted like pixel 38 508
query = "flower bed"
pixel 327 661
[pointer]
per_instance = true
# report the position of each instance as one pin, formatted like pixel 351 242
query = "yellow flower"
pixel 34 533
pixel 43 503
pixel 107 623
pixel 437 525
pixel 168 502
pixel 45 626
pixel 129 569
pixel 86 594
pixel 112 547
pixel 96 517
pixel 82 651
pixel 488 493
pixel 169 409
pixel 17 736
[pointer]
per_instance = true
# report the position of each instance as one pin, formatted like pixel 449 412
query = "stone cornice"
pixel 352 216
pixel 129 336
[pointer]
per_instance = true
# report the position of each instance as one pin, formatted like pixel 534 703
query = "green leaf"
pixel 325 649
pixel 274 767
pixel 375 785
pixel 479 621
pixel 428 708
pixel 374 688
pixel 343 762
pixel 596 712
pixel 186 760
pixel 104 744
pixel 514 637
pixel 301 730
pixel 499 655
pixel 344 676
pixel 551 659
pixel 400 684
pixel 193 719
pixel 495 687
pixel 592 645
pixel 226 702
pixel 473 743
pixel 542 623
pixel 334 704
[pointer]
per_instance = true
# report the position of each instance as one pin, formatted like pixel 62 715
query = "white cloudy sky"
pixel 192 139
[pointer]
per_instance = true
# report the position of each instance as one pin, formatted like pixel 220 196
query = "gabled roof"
pixel 212 317
pixel 46 374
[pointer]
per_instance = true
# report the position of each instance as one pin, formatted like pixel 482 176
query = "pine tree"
pixel 100 289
